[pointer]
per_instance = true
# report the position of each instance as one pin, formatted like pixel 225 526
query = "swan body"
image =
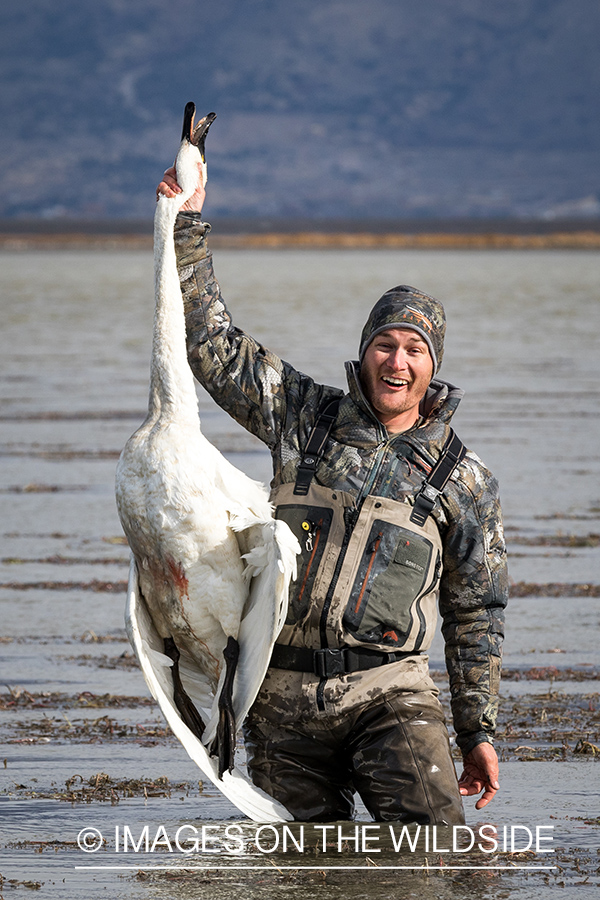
pixel 211 567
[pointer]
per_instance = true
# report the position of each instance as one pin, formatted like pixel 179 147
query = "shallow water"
pixel 522 341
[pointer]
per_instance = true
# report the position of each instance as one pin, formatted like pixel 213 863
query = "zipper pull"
pixel 312 531
pixel 308 527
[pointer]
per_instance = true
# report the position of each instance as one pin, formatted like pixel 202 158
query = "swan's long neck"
pixel 172 389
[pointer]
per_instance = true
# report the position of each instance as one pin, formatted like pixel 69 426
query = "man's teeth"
pixel 396 382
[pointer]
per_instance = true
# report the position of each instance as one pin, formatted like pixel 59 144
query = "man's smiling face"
pixel 395 374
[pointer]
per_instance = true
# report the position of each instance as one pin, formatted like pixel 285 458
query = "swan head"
pixel 191 151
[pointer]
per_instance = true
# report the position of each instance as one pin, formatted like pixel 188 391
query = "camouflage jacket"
pixel 278 404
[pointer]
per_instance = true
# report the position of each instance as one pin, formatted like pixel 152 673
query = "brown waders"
pixel 394 752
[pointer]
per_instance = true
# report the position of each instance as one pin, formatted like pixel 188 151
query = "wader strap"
pixel 329 662
pixel 453 452
pixel 315 445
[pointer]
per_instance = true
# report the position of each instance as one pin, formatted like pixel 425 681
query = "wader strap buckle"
pixel 330 662
pixel 452 453
pixel 315 445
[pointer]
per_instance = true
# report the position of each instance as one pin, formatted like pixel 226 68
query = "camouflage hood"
pixel 407 307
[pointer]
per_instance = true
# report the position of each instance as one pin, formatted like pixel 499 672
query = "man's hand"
pixel 480 773
pixel 169 188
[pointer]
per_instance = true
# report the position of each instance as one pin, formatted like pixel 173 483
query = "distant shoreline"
pixel 313 240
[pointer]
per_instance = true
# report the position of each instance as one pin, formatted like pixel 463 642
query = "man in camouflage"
pixel 348 704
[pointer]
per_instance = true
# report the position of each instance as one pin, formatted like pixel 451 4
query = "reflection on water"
pixel 522 341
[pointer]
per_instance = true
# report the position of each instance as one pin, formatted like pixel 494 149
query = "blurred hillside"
pixel 332 109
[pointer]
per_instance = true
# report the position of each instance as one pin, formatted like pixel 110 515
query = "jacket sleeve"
pixel 473 596
pixel 243 377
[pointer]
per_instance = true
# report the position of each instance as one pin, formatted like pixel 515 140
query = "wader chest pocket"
pixel 311 525
pixel 392 572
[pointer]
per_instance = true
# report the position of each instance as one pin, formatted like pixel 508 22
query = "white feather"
pixel 211 562
pixel 235 785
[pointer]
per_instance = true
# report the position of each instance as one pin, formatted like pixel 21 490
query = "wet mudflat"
pixel 84 746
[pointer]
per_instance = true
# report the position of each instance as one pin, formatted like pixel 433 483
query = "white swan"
pixel 211 567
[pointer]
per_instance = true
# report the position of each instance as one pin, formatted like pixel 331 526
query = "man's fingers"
pixel 168 187
pixel 471 786
pixel 488 795
pixel 468 786
pixel 171 183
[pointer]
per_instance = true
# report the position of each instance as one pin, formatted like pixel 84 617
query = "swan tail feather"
pixel 234 785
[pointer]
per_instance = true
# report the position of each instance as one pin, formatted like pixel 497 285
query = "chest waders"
pixel 331 717
pixel 368 576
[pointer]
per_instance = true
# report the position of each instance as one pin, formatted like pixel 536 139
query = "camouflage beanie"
pixel 406 307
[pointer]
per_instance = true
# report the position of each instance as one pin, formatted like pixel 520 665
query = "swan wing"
pixel 271 564
pixel 236 786
pixel 265 613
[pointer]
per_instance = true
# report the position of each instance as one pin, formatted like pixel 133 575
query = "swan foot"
pixel 224 743
pixel 187 710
